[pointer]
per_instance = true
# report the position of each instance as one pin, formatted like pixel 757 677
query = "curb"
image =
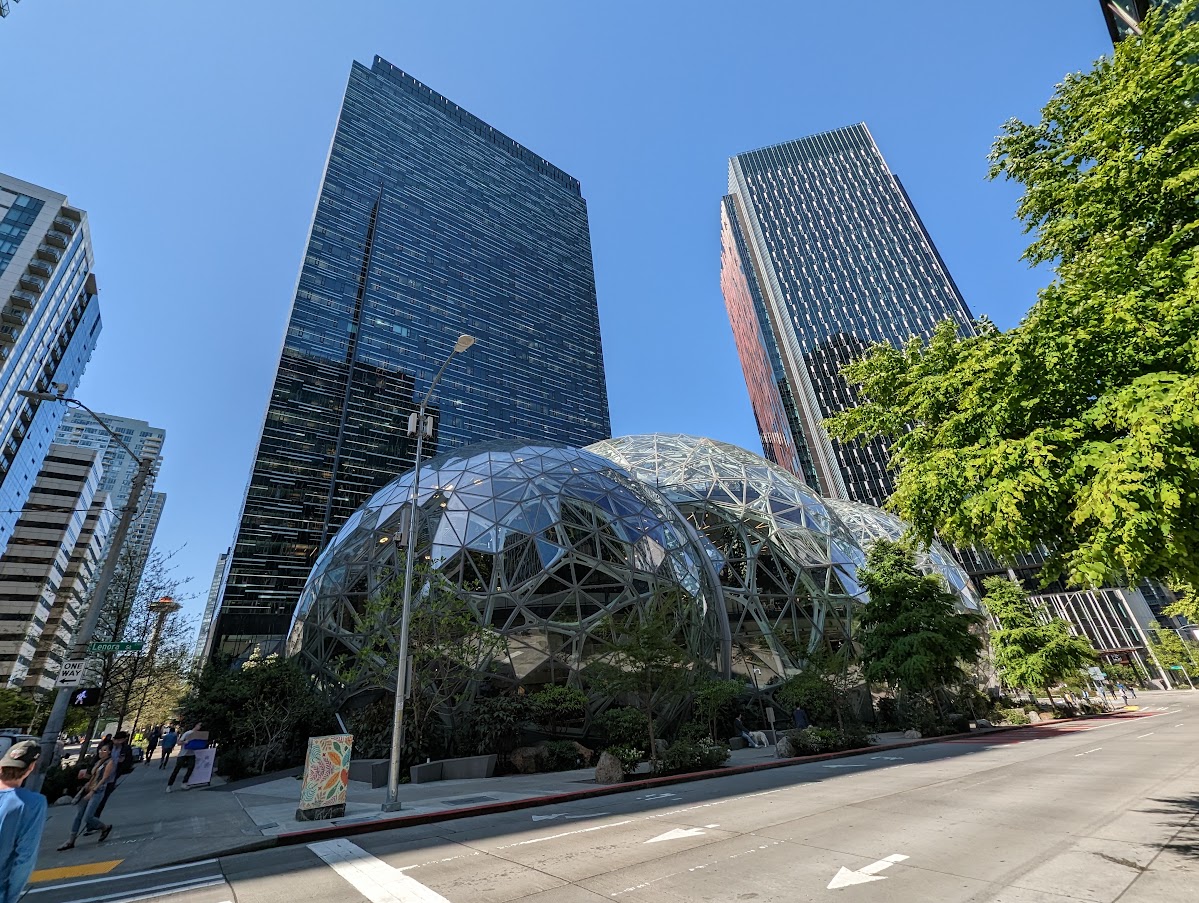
pixel 293 838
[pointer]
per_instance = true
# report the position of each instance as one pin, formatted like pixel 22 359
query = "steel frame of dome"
pixel 786 563
pixel 868 524
pixel 545 544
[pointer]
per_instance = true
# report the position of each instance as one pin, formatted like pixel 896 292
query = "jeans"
pixel 166 754
pixel 104 795
pixel 186 760
pixel 85 812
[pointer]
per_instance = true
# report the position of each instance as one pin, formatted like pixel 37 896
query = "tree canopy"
pixel 911 633
pixel 1080 427
pixel 1031 650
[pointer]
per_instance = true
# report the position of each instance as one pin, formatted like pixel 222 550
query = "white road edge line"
pixel 163 890
pixel 371 876
pixel 121 877
pixel 1143 736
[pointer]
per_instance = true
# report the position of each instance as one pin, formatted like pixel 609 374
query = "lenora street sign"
pixel 114 647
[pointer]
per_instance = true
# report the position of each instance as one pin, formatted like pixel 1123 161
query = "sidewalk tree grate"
pixel 471 800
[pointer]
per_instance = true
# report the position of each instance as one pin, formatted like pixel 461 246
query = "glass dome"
pixel 545 543
pixel 868 523
pixel 786 563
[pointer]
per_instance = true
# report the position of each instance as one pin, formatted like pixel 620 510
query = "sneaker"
pixel 169 788
pixel 187 786
pixel 69 845
pixel 104 832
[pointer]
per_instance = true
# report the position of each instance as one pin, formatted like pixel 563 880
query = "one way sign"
pixel 70 674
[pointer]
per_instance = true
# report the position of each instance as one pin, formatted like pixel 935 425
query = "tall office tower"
pixel 79 428
pixel 38 554
pixel 49 323
pixel 429 223
pixel 823 255
pixel 208 619
pixel 72 596
pixel 1124 17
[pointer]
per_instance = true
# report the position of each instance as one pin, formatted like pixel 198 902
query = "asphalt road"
pixel 1101 810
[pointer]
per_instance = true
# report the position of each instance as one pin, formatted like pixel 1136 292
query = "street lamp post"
pixel 417 425
pixel 83 634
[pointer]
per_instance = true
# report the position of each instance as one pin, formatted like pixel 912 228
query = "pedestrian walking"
pixel 122 759
pixel 800 717
pixel 169 739
pixel 89 798
pixel 188 744
pixel 152 739
pixel 22 817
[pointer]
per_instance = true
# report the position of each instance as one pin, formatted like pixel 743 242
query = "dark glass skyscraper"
pixel 824 255
pixel 430 223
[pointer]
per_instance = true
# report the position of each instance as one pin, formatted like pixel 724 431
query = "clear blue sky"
pixel 194 135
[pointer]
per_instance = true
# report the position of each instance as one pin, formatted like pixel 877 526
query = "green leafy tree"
pixel 1174 653
pixel 824 688
pixel 649 664
pixel 1079 427
pixel 19 710
pixel 1031 649
pixel 450 648
pixel 911 634
pixel 715 700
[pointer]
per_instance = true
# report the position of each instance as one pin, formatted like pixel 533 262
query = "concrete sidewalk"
pixel 153 828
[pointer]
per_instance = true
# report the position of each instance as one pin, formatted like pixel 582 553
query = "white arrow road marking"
pixel 847 765
pixel 563 815
pixel 677 834
pixel 372 877
pixel 659 796
pixel 844 878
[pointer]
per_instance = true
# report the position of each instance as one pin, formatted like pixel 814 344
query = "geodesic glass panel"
pixel 786 564
pixel 545 543
pixel 868 523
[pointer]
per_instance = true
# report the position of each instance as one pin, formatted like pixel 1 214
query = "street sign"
pixel 1177 668
pixel 114 647
pixel 1096 673
pixel 70 674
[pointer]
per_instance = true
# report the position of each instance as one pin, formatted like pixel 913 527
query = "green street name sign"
pixel 1177 668
pixel 114 647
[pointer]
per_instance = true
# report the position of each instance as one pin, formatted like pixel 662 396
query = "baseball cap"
pixel 21 755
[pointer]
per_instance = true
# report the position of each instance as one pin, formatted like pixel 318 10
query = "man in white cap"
pixel 22 817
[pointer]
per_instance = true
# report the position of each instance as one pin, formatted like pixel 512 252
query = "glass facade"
pixel 49 324
pixel 430 223
pixel 823 256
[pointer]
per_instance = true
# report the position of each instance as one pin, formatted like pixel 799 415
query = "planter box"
pixel 453 769
pixel 370 771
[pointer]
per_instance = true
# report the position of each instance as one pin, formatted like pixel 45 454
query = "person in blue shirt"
pixel 22 818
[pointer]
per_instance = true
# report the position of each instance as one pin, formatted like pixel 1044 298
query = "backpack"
pixel 125 765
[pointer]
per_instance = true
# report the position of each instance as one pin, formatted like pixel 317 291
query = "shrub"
pixel 815 740
pixel 623 726
pixel 888 712
pixel 555 706
pixel 629 756
pixel 493 724
pixel 683 756
pixel 560 755
pixel 1013 716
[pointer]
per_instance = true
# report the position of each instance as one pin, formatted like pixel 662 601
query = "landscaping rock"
pixel 785 749
pixel 1033 717
pixel 736 743
pixel 527 759
pixel 585 754
pixel 609 770
pixel 63 800
pixel 983 722
pixel 911 735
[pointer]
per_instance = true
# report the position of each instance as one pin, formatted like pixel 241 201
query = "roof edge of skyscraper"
pixel 517 150
pixel 845 128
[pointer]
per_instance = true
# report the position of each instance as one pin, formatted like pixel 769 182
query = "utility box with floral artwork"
pixel 326 777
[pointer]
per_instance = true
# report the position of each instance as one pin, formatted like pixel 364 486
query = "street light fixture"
pixel 83 634
pixel 420 426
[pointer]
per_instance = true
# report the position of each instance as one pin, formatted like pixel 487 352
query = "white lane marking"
pixel 1143 736
pixel 1088 752
pixel 163 890
pixel 889 758
pixel 1178 725
pixel 845 878
pixel 854 765
pixel 711 826
pixel 564 815
pixel 165 868
pixel 676 834
pixel 658 796
pixel 523 843
pixel 697 868
pixel 372 877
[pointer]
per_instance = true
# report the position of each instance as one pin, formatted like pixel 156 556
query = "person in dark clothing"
pixel 801 718
pixel 188 744
pixel 169 739
pixel 120 754
pixel 152 739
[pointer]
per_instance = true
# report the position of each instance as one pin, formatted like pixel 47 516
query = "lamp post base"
pixel 392 807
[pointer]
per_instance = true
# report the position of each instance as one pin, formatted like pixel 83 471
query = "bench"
pixel 453 769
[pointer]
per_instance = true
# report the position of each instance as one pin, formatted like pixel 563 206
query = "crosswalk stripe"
pixel 371 876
